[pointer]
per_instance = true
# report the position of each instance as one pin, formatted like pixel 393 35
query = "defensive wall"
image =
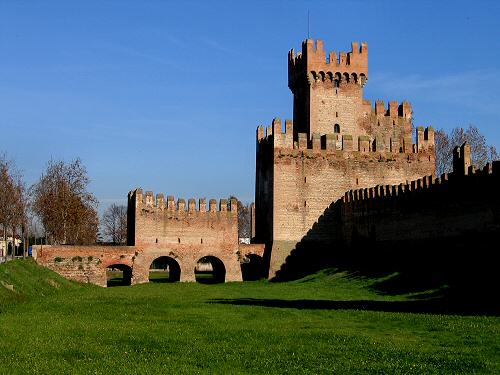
pixel 296 180
pixel 157 228
pixel 444 225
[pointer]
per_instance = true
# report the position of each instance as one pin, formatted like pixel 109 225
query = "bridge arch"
pixel 210 270
pixel 164 269
pixel 252 268
pixel 118 274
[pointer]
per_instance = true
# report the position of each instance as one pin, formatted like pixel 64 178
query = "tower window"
pixel 336 114
pixel 336 128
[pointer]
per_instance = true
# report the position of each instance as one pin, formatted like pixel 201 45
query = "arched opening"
pixel 210 270
pixel 252 268
pixel 118 275
pixel 164 270
pixel 346 77
pixel 354 77
pixel 336 128
pixel 337 79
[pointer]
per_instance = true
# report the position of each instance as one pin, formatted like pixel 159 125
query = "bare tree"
pixel 114 221
pixel 481 153
pixel 244 219
pixel 65 208
pixel 5 194
pixel 443 152
pixel 13 202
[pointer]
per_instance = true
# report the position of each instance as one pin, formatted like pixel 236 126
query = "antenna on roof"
pixel 308 34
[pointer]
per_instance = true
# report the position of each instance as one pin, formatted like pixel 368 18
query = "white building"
pixel 3 249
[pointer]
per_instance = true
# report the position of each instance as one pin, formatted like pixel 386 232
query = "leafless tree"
pixel 65 208
pixel 481 152
pixel 13 202
pixel 244 219
pixel 443 152
pixel 114 221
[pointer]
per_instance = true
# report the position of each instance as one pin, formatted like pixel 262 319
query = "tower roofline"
pixel 313 59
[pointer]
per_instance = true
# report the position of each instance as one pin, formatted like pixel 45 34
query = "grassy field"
pixel 327 323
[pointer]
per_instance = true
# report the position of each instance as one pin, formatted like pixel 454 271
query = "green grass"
pixel 327 323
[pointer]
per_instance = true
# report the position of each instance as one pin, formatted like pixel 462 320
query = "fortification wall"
pixel 443 227
pixel 187 231
pixel 308 175
pixel 451 206
pixel 166 222
pixel 88 264
pixel 157 228
pixel 85 264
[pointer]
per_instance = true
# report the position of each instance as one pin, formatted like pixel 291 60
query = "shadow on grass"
pixel 434 306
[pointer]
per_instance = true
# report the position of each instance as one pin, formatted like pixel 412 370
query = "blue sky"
pixel 167 95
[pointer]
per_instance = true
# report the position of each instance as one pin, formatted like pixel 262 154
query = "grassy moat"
pixel 330 322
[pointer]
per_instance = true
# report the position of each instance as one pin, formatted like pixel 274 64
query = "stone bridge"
pixel 89 264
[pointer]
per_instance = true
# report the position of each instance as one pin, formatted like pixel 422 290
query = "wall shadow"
pixel 462 261
pixel 320 248
pixel 431 306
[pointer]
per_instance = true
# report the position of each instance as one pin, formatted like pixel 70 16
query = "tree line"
pixel 68 212
pixel 59 202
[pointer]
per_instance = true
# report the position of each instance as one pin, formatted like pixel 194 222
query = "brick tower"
pixel 327 90
pixel 338 141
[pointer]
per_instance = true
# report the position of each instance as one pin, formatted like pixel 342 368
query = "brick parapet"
pixel 148 200
pixel 284 139
pixel 387 194
pixel 313 64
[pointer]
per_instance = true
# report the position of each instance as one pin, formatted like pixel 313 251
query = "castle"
pixel 344 176
pixel 337 142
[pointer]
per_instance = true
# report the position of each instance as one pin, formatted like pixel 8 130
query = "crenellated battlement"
pixel 425 184
pixel 313 64
pixel 393 109
pixel 284 138
pixel 148 200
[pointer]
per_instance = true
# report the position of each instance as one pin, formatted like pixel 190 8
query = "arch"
pixel 337 78
pixel 322 76
pixel 354 77
pixel 210 270
pixel 336 128
pixel 164 269
pixel 362 78
pixel 329 76
pixel 252 268
pixel 346 77
pixel 118 274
